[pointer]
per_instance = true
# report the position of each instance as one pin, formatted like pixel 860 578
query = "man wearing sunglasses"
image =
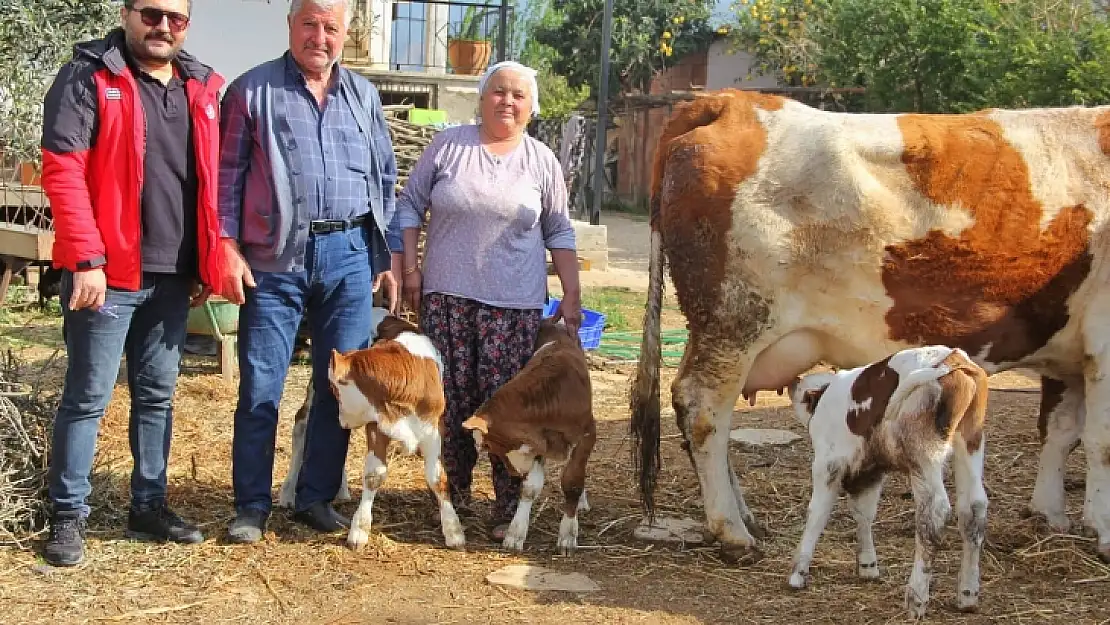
pixel 130 146
pixel 307 177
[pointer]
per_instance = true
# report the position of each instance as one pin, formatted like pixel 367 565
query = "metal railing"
pixel 439 36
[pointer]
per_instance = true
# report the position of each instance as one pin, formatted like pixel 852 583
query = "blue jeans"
pixel 148 327
pixel 335 290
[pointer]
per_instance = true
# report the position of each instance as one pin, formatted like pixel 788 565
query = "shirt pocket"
pixel 357 152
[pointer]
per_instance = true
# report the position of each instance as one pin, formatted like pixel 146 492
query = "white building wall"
pixel 235 35
pixel 726 68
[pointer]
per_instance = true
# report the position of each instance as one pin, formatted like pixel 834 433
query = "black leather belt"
pixel 335 225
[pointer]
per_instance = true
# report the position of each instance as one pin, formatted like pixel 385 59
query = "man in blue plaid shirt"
pixel 306 205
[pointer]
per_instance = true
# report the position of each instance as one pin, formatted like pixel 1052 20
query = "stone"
pixel 530 577
pixel 763 437
pixel 671 530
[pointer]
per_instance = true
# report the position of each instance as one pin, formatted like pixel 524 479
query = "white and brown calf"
pixel 909 413
pixel 395 389
pixel 288 493
pixel 545 412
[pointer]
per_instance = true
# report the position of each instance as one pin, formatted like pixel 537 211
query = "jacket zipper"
pixel 140 150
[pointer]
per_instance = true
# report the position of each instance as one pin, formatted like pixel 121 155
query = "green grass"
pixel 623 308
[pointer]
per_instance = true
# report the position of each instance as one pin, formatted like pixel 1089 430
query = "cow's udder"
pixel 781 362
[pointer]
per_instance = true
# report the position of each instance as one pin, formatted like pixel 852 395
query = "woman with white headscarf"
pixel 495 200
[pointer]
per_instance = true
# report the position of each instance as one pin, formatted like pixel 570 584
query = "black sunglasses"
pixel 153 17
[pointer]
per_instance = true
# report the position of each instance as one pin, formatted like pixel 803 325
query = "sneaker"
pixel 66 544
pixel 161 524
pixel 247 527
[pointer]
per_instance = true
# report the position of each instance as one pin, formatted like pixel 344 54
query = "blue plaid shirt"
pixel 333 157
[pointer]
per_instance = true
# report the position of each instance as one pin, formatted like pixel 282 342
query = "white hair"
pixel 348 10
pixel 527 72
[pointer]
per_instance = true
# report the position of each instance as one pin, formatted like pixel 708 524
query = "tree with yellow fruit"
pixel 648 36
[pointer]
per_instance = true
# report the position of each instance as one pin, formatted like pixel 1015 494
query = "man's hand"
pixel 392 290
pixel 89 288
pixel 199 294
pixel 235 273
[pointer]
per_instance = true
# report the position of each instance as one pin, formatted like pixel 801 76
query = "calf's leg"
pixel 864 506
pixel 574 491
pixel 971 510
pixel 821 502
pixel 518 529
pixel 373 477
pixel 436 476
pixel 288 492
pixel 932 509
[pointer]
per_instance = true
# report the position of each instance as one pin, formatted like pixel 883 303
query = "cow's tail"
pixel 644 402
pixel 644 396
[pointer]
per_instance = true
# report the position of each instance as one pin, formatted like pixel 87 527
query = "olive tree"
pixel 36 38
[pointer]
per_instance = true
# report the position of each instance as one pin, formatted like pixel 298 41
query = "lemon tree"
pixel 648 36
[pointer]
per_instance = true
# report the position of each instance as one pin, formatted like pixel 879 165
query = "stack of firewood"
pixel 409 141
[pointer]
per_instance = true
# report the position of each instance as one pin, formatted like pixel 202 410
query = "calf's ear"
pixel 811 397
pixel 477 423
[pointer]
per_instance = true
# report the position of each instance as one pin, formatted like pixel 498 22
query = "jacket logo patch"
pixel 112 93
pixel 210 111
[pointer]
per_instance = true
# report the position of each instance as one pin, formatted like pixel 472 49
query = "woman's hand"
pixel 570 311
pixel 412 290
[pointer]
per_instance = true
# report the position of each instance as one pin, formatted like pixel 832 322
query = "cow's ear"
pixel 812 397
pixel 477 422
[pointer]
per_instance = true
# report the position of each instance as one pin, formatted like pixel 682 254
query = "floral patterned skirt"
pixel 483 347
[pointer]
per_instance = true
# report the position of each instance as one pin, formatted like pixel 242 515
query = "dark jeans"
pixel 148 327
pixel 335 291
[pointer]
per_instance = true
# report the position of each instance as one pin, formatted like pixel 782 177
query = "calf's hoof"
pixel 868 571
pixel 567 546
pixel 514 536
pixel 357 539
pixel 513 543
pixel 967 601
pixel 454 537
pixel 798 580
pixel 740 555
pixel 568 535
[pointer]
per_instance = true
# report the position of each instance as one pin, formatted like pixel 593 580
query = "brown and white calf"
pixel 909 413
pixel 395 389
pixel 545 412
pixel 288 493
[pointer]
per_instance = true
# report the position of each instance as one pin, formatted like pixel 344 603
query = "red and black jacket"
pixel 93 144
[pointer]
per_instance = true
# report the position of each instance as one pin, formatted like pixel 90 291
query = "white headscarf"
pixel 524 70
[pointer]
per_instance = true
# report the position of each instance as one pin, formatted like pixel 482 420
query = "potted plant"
pixel 469 51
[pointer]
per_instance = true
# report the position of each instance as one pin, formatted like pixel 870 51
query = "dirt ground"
pixel 405 575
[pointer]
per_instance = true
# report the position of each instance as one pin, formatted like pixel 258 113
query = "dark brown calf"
pixel 544 412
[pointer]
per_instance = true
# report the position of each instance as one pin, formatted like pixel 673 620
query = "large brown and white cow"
pixel 796 236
